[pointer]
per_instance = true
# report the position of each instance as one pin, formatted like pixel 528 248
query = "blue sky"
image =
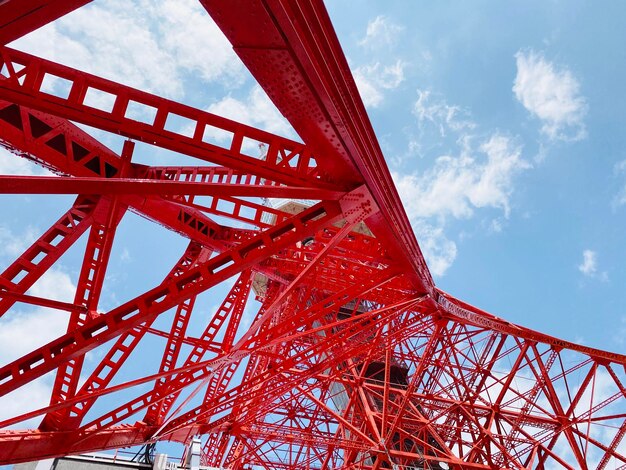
pixel 502 124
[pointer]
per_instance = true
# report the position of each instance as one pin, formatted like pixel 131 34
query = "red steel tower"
pixel 354 358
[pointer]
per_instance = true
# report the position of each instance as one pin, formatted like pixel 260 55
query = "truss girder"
pixel 297 59
pixel 346 357
pixel 285 161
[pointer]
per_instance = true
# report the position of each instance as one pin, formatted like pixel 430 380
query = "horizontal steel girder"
pixel 351 359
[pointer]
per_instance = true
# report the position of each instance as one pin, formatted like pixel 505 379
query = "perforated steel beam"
pixel 292 50
pixel 352 359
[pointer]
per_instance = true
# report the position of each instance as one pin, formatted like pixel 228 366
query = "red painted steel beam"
pixel 21 447
pixel 22 274
pixel 20 17
pixel 335 348
pixel 119 352
pixel 48 303
pixel 71 185
pixel 88 292
pixel 292 50
pixel 161 298
pixel 344 355
pixel 464 312
pixel 275 334
pixel 64 148
pixel 233 302
pixel 286 161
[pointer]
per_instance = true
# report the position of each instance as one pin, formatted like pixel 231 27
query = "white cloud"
pixel 589 266
pixel 13 245
pixel 480 176
pixel 114 42
pixel 455 186
pixel 439 251
pixel 372 81
pixel 371 96
pixel 381 31
pixel 495 226
pixel 22 332
pixel 54 284
pixel 440 114
pixel 620 198
pixel 552 94
pixel 193 39
pixel 28 397
pixel 376 77
pixel 11 164
pixel 256 110
pixel 143 44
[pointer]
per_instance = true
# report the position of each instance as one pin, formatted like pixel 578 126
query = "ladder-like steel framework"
pixel 354 358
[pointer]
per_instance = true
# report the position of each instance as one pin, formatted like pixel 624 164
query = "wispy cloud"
pixel 374 79
pixel 457 185
pixel 430 109
pixel 22 331
pixel 157 49
pixel 477 174
pixel 13 244
pixel 377 77
pixel 454 188
pixel 439 251
pixel 54 284
pixel 125 256
pixel 552 94
pixel 28 397
pixel 11 164
pixel 589 266
pixel 195 43
pixel 620 197
pixel 381 31
pixel 255 109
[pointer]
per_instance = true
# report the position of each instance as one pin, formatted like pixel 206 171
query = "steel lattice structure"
pixel 354 360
